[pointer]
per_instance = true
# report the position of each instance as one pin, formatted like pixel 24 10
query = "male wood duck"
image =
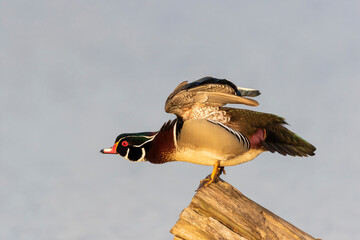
pixel 207 133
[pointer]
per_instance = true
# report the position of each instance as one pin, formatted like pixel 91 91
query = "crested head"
pixel 132 146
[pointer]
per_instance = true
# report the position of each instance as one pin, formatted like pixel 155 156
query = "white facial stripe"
pixel 127 153
pixel 142 155
pixel 150 139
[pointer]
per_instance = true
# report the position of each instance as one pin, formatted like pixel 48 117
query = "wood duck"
pixel 207 133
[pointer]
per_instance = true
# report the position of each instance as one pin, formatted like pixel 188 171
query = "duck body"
pixel 207 133
pixel 242 137
pixel 199 141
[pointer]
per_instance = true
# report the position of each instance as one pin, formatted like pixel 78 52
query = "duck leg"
pixel 213 177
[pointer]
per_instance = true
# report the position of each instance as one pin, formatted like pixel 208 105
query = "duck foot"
pixel 213 177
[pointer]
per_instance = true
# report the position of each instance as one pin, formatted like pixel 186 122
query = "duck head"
pixel 132 146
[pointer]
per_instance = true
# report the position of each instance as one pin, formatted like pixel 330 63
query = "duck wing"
pixel 267 131
pixel 207 92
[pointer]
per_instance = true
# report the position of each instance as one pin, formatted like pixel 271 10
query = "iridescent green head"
pixel 132 146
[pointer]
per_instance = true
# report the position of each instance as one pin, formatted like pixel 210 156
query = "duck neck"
pixel 163 146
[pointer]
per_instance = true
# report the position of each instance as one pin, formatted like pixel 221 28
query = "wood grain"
pixel 220 211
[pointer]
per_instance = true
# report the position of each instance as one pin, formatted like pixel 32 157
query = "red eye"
pixel 124 143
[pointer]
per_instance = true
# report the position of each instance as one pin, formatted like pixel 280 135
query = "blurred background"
pixel 75 74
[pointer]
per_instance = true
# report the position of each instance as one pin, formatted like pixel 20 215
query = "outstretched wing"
pixel 268 130
pixel 207 92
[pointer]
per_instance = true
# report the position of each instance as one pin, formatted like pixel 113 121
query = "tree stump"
pixel 220 211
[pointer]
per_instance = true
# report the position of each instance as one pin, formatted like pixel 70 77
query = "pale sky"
pixel 75 74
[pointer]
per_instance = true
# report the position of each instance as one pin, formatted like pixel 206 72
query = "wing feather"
pixel 207 92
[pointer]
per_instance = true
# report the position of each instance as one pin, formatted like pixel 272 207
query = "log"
pixel 220 211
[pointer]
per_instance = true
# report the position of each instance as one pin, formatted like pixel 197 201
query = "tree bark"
pixel 220 211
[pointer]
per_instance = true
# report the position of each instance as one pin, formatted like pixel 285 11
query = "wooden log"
pixel 219 211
